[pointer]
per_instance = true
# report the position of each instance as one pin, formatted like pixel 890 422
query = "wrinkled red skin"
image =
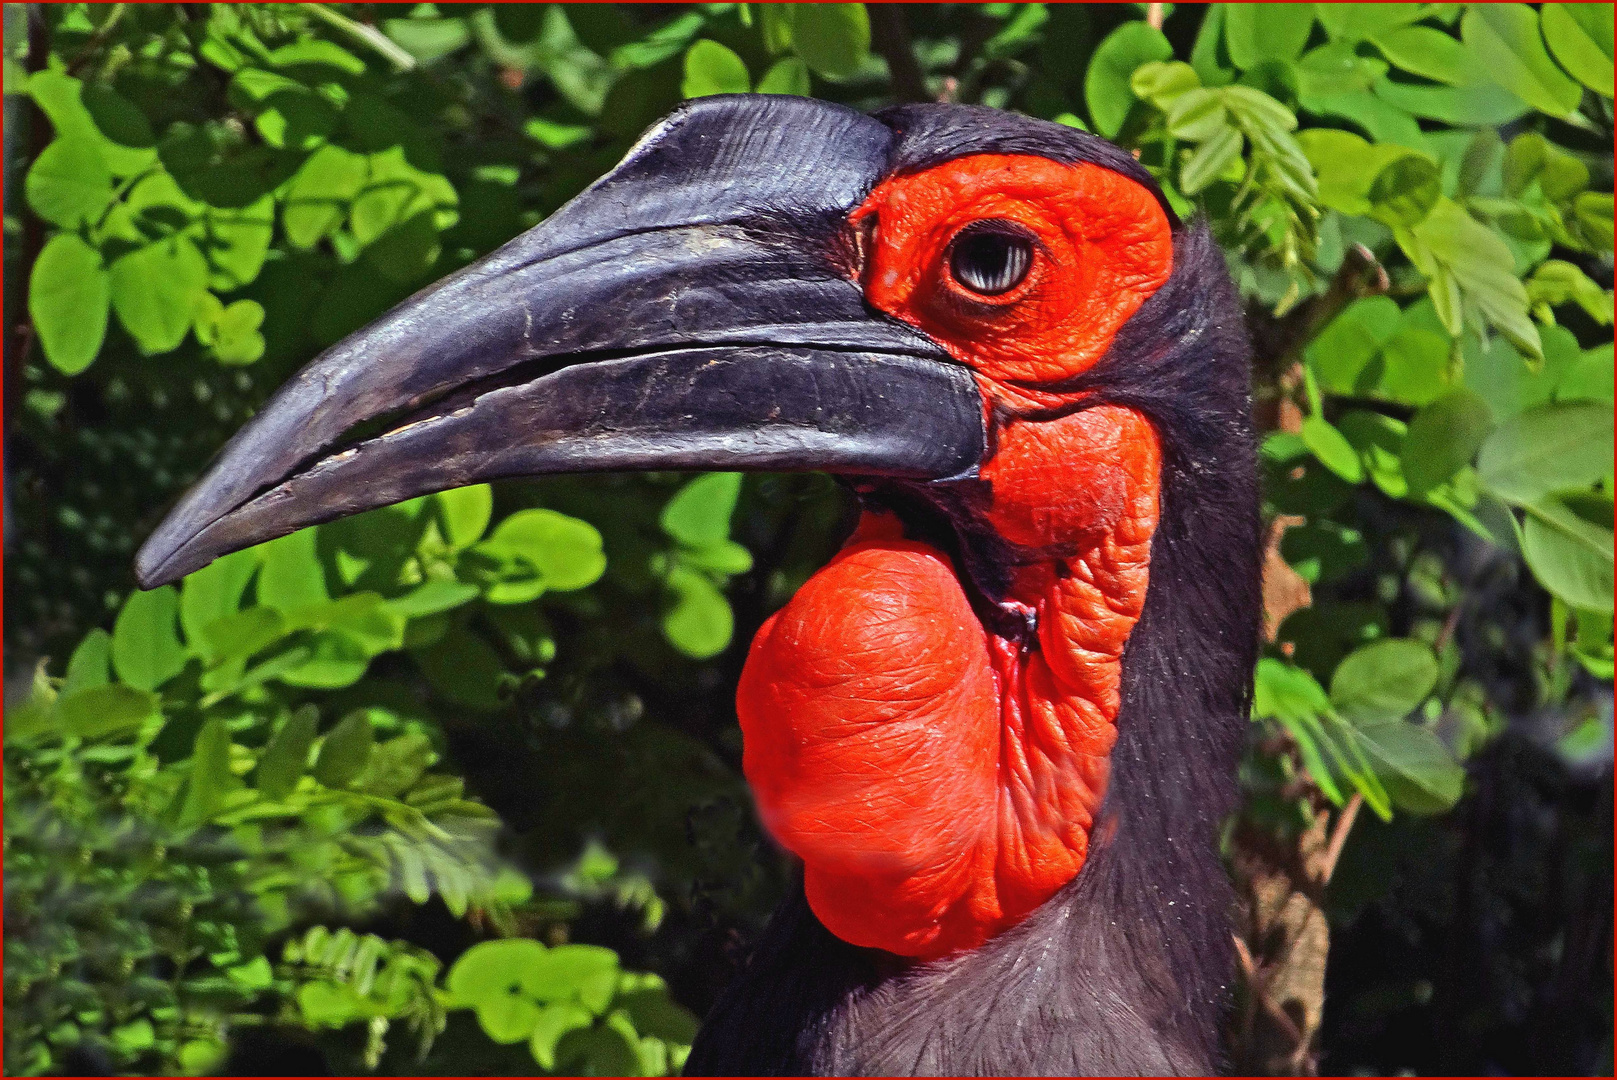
pixel 939 781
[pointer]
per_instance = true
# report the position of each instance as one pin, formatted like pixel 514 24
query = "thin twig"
pixel 1450 624
pixel 366 35
pixel 1260 990
pixel 1339 832
pixel 97 39
pixel 890 34
pixel 1154 16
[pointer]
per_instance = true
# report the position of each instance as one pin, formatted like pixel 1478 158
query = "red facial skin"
pixel 939 781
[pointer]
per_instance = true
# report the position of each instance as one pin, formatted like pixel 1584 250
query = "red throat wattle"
pixel 938 780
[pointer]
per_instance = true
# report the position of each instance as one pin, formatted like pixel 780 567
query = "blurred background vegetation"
pixel 455 785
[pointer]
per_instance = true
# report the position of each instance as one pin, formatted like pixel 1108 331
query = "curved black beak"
pixel 693 309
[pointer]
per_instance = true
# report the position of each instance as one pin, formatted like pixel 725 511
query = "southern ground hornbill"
pixel 1001 727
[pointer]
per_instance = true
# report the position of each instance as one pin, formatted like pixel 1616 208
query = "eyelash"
pixel 964 300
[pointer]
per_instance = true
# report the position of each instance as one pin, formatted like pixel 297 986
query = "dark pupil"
pixel 991 262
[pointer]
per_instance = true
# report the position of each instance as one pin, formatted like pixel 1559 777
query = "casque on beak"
pixel 693 309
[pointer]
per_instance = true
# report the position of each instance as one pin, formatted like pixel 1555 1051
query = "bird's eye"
pixel 991 257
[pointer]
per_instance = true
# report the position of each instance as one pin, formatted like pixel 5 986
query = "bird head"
pixel 993 327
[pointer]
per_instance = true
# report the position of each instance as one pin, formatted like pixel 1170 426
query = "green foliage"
pixel 1413 199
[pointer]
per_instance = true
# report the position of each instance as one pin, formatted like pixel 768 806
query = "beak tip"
pixel 158 561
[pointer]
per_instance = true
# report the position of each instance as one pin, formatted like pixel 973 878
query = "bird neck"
pixel 936 748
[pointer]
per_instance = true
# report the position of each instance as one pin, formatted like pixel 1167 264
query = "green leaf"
pixel 1386 680
pixel 99 711
pixel 134 1037
pixel 214 592
pixel 1556 282
pixel 1405 191
pixel 200 1057
pixel 492 969
pixel 489 978
pixel 644 997
pixel 287 755
pixel 1162 84
pixel 363 617
pixel 239 635
pixel 315 53
pixel 699 513
pixel 1347 166
pixel 335 660
pixel 68 184
pixel 69 295
pixel 1197 114
pixel 1347 752
pixel 428 39
pixel 1210 160
pixel 1531 157
pixel 1567 541
pixel 317 197
pixel 1580 36
pixel 292 576
pixel 1356 22
pixel 606 1050
pixel 1547 449
pixel 1332 449
pixel 210 779
pixel 832 39
pixel 289 115
pixel 91 663
pixel 146 649
pixel 230 333
pixel 395 192
pixel 557 136
pixel 1414 366
pixel 786 76
pixel 1429 52
pixel 1383 122
pixel 433 597
pixel 1335 69
pixel 325 1004
pixel 1204 52
pixel 97 115
pixel 711 68
pixel 462 667
pixel 725 557
pixel 1107 91
pixel 396 765
pixel 1443 438
pixel 558 552
pixel 1254 33
pixel 345 751
pixel 1464 106
pixel 1481 266
pixel 1323 551
pixel 1589 379
pixel 1345 348
pixel 587 974
pixel 1379 441
pixel 1282 690
pixel 700 624
pixel 1417 770
pixel 554 1022
pixel 156 290
pixel 1505 38
pixel 237 241
pixel 1018 32
pixel 1593 210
